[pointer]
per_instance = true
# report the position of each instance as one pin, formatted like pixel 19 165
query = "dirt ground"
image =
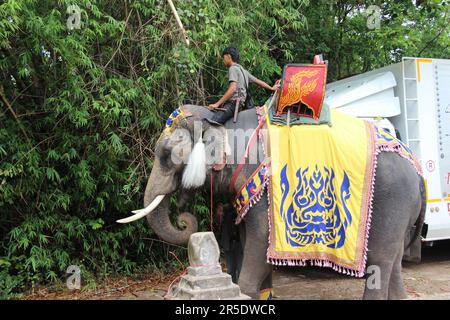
pixel 429 279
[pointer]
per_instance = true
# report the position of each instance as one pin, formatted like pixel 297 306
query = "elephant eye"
pixel 164 158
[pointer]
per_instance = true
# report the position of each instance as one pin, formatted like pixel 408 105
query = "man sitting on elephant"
pixel 238 79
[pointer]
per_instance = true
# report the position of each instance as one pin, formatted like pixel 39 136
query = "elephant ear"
pixel 217 147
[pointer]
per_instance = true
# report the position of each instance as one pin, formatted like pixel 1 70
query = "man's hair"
pixel 233 52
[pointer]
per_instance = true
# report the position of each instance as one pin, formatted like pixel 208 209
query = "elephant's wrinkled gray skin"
pixel 399 203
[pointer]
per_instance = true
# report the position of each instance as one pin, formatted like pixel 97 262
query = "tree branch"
pixel 120 41
pixel 432 40
pixel 9 107
pixel 180 24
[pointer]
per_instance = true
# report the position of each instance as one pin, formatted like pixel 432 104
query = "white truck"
pixel 412 100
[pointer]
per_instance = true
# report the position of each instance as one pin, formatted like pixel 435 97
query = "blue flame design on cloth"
pixel 266 294
pixel 173 116
pixel 387 142
pixel 314 216
pixel 384 136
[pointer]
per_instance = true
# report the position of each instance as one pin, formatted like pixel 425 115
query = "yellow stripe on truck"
pixel 438 200
pixel 418 61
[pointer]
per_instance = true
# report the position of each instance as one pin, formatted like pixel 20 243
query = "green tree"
pixel 82 109
pixel 339 30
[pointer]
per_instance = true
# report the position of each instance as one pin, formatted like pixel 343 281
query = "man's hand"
pixel 266 86
pixel 275 87
pixel 213 106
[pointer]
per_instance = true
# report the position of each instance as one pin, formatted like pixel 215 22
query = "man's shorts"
pixel 222 116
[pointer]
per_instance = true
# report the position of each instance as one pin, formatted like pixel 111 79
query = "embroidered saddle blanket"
pixel 320 190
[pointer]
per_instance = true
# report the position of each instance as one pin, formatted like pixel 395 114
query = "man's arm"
pixel 228 94
pixel 265 85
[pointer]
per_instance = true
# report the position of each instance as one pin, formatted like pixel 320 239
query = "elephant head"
pixel 188 148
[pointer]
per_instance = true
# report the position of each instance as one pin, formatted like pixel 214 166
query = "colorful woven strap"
pixel 251 144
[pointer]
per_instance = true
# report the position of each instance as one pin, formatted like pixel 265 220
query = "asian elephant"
pixel 398 203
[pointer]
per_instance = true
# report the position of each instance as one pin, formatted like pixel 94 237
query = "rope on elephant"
pixel 211 201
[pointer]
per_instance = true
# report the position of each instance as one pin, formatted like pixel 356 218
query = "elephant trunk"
pixel 160 223
pixel 161 183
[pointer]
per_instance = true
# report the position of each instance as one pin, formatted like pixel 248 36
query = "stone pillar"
pixel 204 279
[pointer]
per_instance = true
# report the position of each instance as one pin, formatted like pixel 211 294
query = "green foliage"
pixel 407 29
pixel 82 109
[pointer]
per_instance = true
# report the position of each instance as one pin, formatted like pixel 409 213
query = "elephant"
pixel 399 200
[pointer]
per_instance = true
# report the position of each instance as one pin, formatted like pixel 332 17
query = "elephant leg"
pixel 396 205
pixel 255 268
pixel 396 287
pixel 379 268
pixel 241 247
pixel 266 292
pixel 254 271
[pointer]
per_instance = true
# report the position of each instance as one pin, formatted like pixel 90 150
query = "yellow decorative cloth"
pixel 266 294
pixel 320 181
pixel 320 193
pixel 173 120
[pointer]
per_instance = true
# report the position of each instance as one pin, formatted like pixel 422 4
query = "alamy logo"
pixel 374 17
pixel 74 19
pixel 374 278
pixel 74 280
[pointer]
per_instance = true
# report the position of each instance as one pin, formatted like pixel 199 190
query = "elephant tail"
pixel 421 218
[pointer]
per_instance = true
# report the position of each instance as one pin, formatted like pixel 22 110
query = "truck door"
pixel 442 73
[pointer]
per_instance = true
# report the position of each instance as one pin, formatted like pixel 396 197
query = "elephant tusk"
pixel 143 212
